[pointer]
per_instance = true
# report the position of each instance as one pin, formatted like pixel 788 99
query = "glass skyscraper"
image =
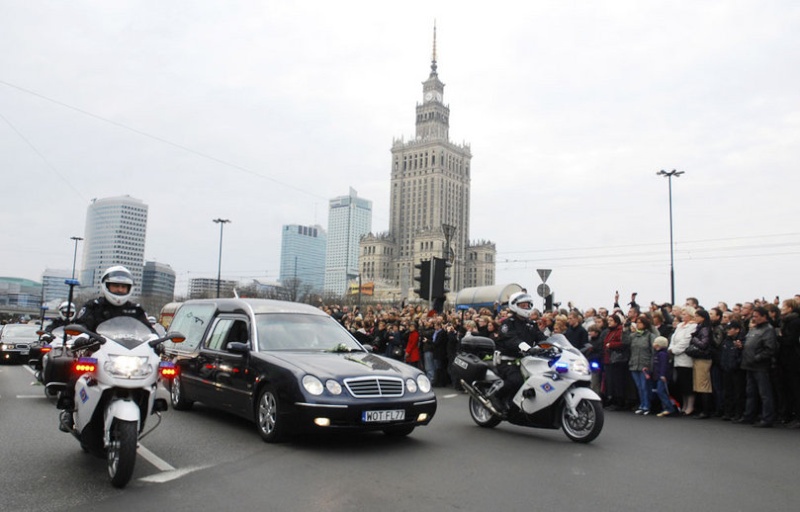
pixel 349 218
pixel 115 234
pixel 303 257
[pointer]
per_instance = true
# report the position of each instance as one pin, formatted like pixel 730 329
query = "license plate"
pixel 383 416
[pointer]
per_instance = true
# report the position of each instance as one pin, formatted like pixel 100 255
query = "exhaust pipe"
pixel 477 395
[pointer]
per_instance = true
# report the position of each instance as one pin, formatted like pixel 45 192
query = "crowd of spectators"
pixel 739 363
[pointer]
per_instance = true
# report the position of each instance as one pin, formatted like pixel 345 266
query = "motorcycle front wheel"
pixel 588 423
pixel 481 415
pixel 121 455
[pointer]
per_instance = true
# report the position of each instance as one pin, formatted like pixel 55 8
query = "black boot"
pixel 65 421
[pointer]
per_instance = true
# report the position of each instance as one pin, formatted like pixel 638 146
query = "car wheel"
pixel 177 395
pixel 399 431
pixel 271 427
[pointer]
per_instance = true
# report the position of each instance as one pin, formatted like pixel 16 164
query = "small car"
pixel 17 341
pixel 290 368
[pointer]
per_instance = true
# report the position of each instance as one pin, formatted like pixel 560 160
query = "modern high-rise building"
pixel 158 281
pixel 349 218
pixel 429 204
pixel 303 256
pixel 115 234
pixel 54 285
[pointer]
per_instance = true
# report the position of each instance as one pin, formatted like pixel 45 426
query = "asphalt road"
pixel 204 460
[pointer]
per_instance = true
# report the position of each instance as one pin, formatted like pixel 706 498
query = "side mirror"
pixel 238 347
pixel 75 330
pixel 176 337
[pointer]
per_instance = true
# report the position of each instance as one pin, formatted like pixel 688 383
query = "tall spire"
pixel 433 59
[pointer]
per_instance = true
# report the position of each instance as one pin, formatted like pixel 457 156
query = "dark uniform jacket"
pixel 513 331
pixel 97 311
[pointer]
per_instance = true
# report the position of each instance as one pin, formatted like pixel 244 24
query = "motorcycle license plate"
pixel 383 416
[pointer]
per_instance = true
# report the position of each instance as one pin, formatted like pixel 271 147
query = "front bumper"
pixel 350 416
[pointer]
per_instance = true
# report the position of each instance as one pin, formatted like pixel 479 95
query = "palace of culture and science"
pixel 430 205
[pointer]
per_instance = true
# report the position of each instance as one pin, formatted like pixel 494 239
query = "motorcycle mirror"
pixel 75 330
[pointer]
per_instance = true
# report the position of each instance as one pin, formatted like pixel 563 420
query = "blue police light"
pixel 594 366
pixel 562 367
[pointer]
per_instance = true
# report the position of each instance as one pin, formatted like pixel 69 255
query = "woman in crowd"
pixel 682 362
pixel 640 340
pixel 615 360
pixel 700 350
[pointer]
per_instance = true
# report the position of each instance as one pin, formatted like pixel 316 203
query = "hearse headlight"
pixel 333 387
pixel 313 385
pixel 424 383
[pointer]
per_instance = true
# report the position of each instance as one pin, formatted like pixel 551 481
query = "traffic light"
pixel 424 279
pixel 440 277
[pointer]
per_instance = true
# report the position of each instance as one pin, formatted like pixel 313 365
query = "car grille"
pixel 371 387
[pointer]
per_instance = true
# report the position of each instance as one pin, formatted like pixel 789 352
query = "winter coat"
pixel 615 349
pixel 730 357
pixel 641 347
pixel 680 340
pixel 701 340
pixel 760 346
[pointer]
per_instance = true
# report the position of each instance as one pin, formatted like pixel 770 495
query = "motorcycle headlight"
pixel 580 367
pixel 128 367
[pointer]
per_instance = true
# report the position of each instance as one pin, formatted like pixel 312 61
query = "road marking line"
pixel 170 475
pixel 450 396
pixel 153 459
pixel 31 396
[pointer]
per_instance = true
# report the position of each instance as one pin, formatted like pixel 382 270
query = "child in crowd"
pixel 660 375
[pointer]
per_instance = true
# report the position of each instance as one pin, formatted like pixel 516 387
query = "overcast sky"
pixel 261 111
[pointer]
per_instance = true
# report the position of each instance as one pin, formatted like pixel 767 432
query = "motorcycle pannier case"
pixel 468 367
pixel 58 368
pixel 477 345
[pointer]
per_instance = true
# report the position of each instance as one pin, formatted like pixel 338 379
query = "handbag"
pixel 696 352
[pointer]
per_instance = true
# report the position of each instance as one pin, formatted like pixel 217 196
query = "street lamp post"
pixel 75 253
pixel 221 223
pixel 669 176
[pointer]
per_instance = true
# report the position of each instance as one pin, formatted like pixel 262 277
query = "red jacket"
pixel 613 341
pixel 412 347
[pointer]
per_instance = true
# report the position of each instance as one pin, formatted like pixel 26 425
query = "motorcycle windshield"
pixel 561 341
pixel 126 331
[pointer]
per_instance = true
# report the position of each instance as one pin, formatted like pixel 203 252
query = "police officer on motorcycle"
pixel 117 286
pixel 515 329
pixel 66 312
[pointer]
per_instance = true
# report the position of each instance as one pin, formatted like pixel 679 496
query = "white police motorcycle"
pixel 555 393
pixel 119 387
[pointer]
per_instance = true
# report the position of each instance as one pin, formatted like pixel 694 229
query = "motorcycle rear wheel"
pixel 482 416
pixel 585 427
pixel 121 455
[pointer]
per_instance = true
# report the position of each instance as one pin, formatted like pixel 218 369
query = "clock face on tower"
pixel 438 96
pixel 428 96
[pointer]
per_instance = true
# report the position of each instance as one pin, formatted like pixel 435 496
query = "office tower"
pixel 349 217
pixel 115 235
pixel 158 281
pixel 303 257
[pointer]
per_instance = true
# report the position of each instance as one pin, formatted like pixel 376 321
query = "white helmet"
pixel 65 307
pixel 515 303
pixel 117 275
